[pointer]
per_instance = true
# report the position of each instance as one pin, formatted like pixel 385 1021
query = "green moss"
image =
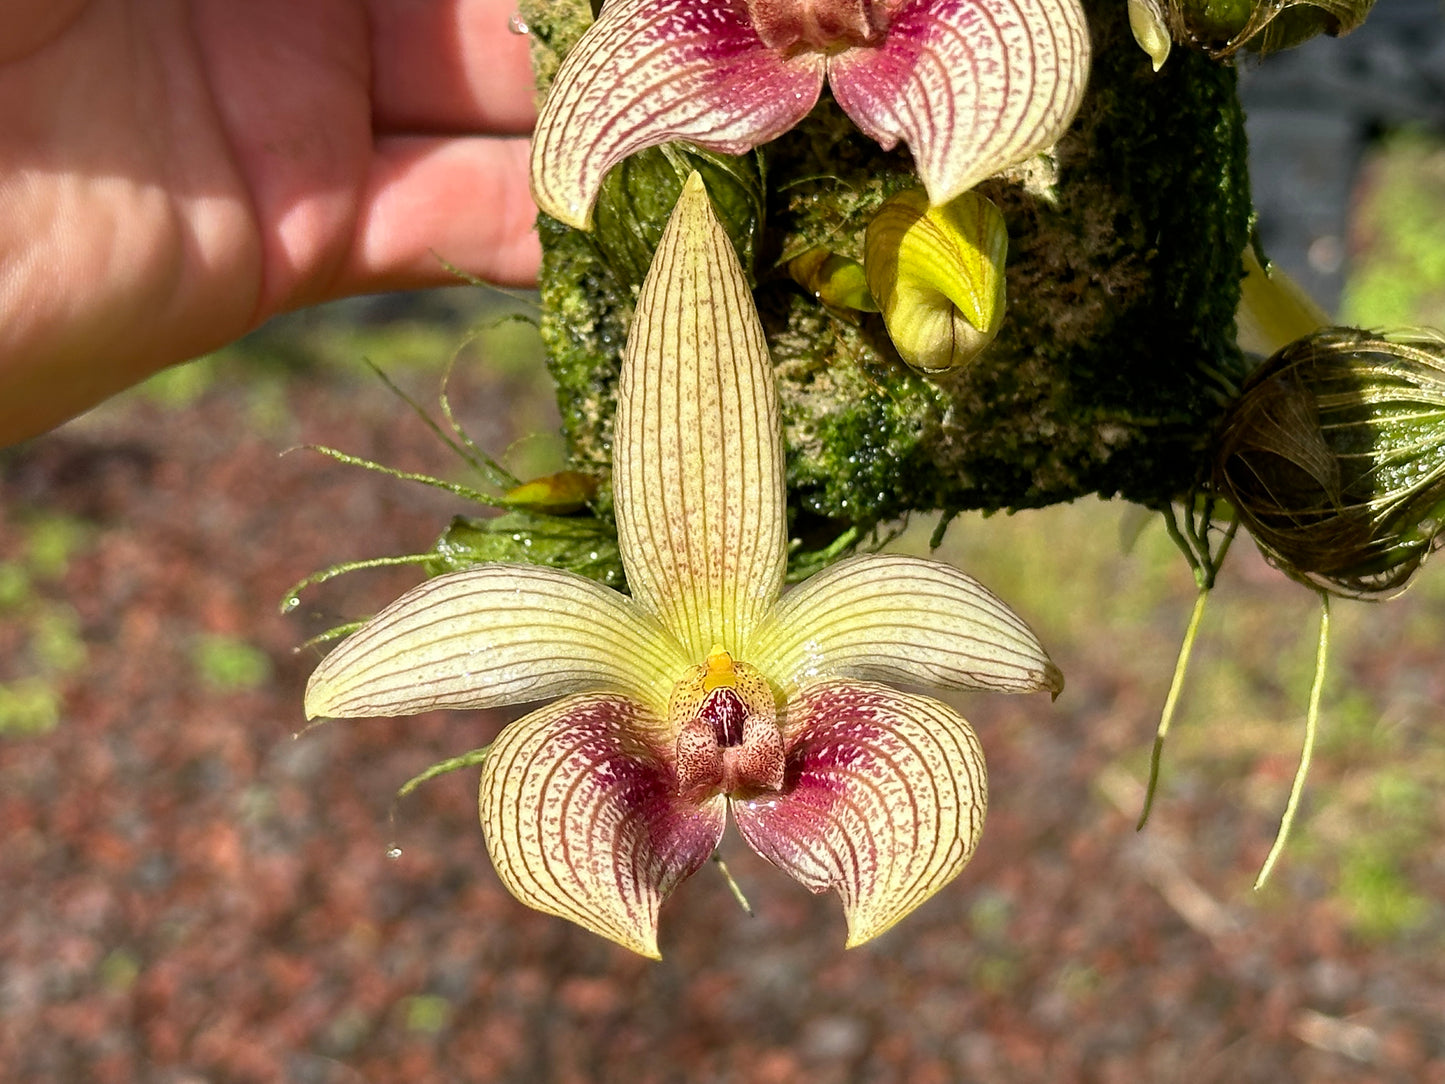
pixel 15 586
pixel 179 386
pixel 1117 351
pixel 50 542
pixel 119 970
pixel 55 640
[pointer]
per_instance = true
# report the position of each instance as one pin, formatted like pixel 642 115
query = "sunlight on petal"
pixel 698 474
pixel 493 635
pixel 651 71
pixel 937 274
pixel 972 86
pixel 887 617
pixel 884 801
pixel 583 822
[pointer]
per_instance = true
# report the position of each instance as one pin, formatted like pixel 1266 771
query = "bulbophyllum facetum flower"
pixel 972 86
pixel 705 690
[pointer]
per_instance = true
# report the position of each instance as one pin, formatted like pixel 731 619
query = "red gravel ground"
pixel 189 894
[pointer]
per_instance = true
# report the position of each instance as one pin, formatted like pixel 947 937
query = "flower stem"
pixel 1206 567
pixel 732 884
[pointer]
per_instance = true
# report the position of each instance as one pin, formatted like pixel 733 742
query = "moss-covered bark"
pixel 1117 352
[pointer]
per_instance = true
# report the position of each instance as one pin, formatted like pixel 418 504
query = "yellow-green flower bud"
pixel 1151 30
pixel 1334 457
pixel 937 274
pixel 559 494
pixel 835 280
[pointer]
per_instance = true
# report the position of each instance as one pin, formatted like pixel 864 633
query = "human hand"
pixel 173 173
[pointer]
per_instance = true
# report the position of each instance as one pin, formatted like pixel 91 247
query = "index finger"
pixel 449 66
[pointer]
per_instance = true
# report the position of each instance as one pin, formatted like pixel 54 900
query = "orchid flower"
pixel 972 86
pixel 705 690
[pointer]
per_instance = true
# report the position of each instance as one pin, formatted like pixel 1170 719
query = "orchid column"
pixel 1115 353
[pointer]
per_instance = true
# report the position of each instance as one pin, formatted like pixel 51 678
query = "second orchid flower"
pixel 706 691
pixel 972 86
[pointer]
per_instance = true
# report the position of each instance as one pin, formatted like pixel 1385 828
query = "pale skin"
pixel 173 173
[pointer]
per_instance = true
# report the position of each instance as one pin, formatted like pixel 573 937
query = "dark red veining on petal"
pixel 724 709
pixel 726 750
pixel 878 797
pixel 583 818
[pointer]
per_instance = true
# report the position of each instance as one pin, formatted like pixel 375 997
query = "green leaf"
pixel 638 196
pixel 581 544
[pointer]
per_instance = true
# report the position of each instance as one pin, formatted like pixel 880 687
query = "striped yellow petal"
pixel 884 803
pixel 887 617
pixel 698 467
pixel 937 274
pixel 492 635
pixel 583 822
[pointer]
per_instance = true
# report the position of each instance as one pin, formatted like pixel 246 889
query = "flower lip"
pixel 821 25
pixel 727 751
pixel 725 710
pixel 728 739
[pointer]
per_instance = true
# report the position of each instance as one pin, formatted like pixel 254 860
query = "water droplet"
pixel 516 24
pixel 290 604
pixel 393 852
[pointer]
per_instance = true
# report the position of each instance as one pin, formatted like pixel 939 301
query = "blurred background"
pixel 189 892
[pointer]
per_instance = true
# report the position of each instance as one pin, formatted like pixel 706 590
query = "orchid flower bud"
pixel 1151 31
pixel 937 274
pixel 1334 457
pixel 1274 310
pixel 834 280
pixel 1223 27
pixel 560 494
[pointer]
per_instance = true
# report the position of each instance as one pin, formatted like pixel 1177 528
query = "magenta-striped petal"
pixel 651 71
pixel 583 820
pixel 972 86
pixel 883 800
